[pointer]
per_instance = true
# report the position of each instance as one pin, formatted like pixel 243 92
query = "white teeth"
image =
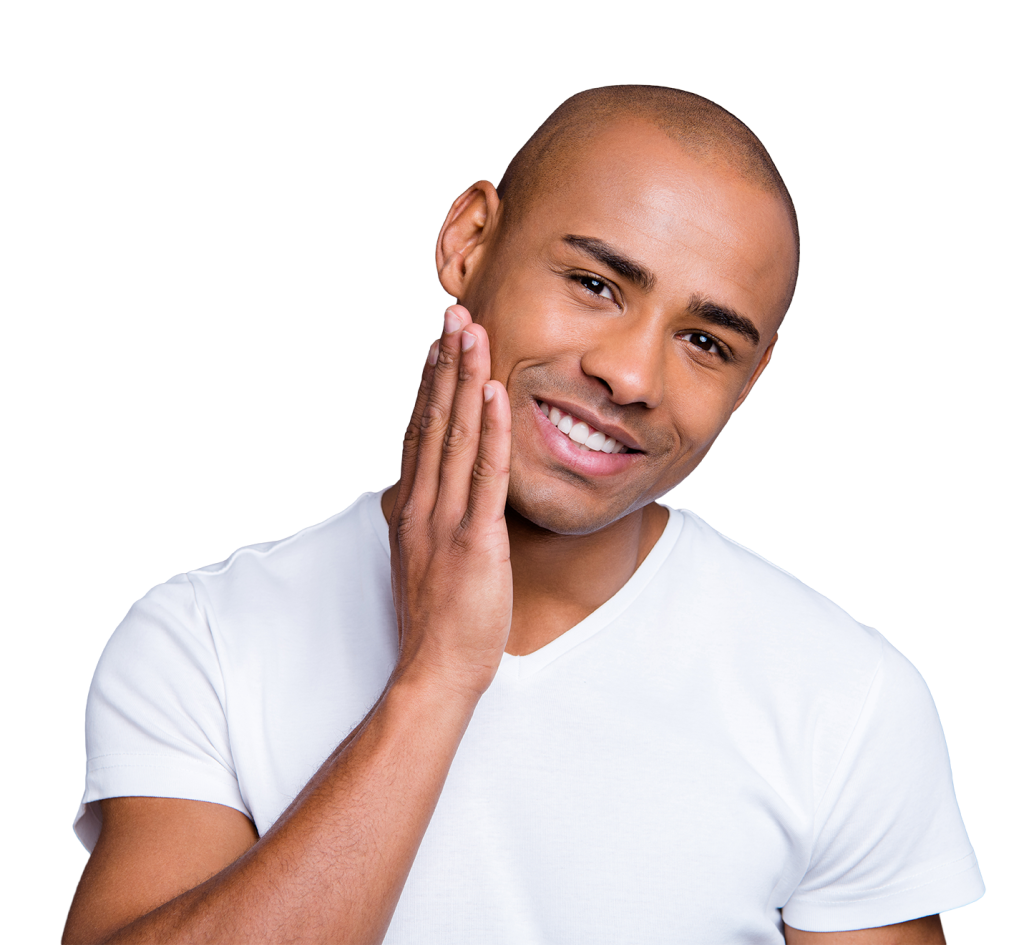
pixel 580 433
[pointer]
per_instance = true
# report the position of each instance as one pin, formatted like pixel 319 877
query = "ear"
pixel 469 226
pixel 761 365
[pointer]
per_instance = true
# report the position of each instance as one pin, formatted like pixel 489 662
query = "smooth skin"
pixel 642 359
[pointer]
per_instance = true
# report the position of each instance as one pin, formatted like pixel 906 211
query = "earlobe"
pixel 466 231
pixel 452 274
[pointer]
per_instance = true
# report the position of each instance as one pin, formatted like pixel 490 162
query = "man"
pixel 551 709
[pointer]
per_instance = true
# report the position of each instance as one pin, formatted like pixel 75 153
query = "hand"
pixel 450 570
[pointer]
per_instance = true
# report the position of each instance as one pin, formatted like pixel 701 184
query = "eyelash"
pixel 581 278
pixel 723 351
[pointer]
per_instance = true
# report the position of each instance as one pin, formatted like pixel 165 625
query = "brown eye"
pixel 703 341
pixel 597 286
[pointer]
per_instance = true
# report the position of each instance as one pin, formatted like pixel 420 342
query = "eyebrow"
pixel 621 265
pixel 724 317
pixel 640 275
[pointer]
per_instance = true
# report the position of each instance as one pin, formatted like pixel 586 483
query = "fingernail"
pixel 488 393
pixel 452 322
pixel 468 340
pixel 432 356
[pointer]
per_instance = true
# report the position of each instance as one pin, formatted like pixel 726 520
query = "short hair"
pixel 704 129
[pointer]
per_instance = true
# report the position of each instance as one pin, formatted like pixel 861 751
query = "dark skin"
pixel 490 492
pixel 571 330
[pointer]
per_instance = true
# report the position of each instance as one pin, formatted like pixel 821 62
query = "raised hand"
pixel 333 865
pixel 450 571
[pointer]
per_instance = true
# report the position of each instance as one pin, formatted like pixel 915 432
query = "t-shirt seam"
pixel 176 757
pixel 232 769
pixel 176 761
pixel 379 525
pixel 816 833
pixel 901 891
pixel 167 760
pixel 227 563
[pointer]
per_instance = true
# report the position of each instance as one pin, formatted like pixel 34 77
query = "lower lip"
pixel 587 462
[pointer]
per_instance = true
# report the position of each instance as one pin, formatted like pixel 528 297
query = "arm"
pixel 334 864
pixel 924 931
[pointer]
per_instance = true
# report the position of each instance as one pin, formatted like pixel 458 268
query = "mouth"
pixel 585 437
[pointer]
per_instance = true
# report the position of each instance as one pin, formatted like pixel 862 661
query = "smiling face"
pixel 638 296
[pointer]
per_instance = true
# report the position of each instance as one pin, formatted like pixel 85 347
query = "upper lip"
pixel 595 421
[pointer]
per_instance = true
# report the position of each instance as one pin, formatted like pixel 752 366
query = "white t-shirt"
pixel 714 749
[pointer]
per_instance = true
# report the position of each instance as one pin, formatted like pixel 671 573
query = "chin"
pixel 552 511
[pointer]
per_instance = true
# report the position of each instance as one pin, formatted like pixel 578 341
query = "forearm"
pixel 334 864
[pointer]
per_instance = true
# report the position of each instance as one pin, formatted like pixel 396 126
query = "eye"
pixel 705 342
pixel 597 286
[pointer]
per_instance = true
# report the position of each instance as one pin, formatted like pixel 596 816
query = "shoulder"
pixel 775 616
pixel 201 655
pixel 779 635
pixel 344 541
pixel 784 656
pixel 198 616
pixel 729 564
pixel 796 665
pixel 265 589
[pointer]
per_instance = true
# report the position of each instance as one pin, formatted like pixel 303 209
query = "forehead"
pixel 695 221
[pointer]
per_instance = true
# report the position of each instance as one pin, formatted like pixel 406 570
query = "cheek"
pixel 528 334
pixel 699 408
pixel 507 352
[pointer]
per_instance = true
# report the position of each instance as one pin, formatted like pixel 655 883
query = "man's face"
pixel 639 296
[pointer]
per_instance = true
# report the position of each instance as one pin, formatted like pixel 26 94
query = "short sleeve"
pixel 890 844
pixel 155 724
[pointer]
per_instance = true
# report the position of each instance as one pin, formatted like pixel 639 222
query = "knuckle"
pixel 406 521
pixel 406 518
pixel 462 536
pixel 412 436
pixel 486 471
pixel 445 358
pixel 432 419
pixel 456 438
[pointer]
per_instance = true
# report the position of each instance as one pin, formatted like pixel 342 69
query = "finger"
pixel 489 488
pixel 410 444
pixel 462 440
pixel 437 409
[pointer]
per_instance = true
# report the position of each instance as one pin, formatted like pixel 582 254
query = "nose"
pixel 627 355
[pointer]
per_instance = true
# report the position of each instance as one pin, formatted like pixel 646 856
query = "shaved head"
pixel 706 131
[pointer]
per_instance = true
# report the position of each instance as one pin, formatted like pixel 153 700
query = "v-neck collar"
pixel 520 667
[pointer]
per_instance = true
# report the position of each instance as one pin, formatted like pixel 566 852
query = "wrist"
pixel 438 689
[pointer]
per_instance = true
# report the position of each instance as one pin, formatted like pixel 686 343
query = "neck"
pixel 559 580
